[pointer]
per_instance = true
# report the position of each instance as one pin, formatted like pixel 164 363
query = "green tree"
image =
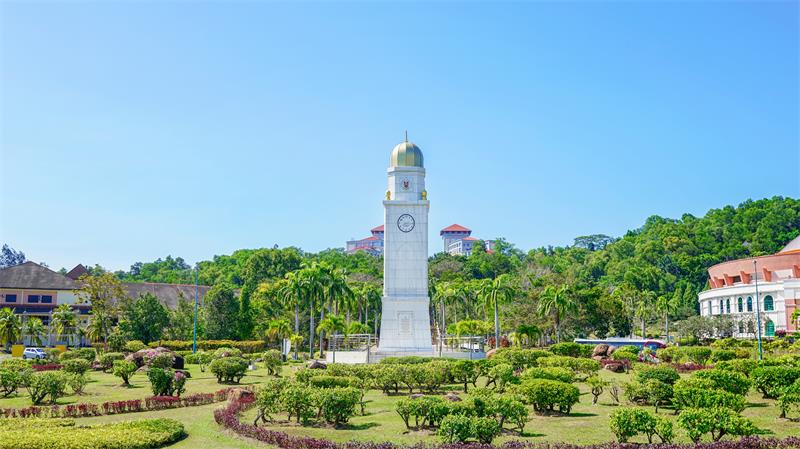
pixel 105 293
pixel 181 321
pixel 279 329
pixel 556 301
pixel 144 319
pixel 10 327
pixel 63 322
pixel 333 324
pixel 35 330
pixel 221 309
pixel 493 292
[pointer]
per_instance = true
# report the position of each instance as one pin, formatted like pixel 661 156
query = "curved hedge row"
pixel 17 433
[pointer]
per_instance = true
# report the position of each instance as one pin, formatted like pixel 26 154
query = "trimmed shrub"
pixel 10 381
pixel 107 360
pixel 700 393
pixel 229 369
pixel 789 400
pixel 334 381
pixel 626 423
pixel 273 360
pixel 202 358
pixel 46 384
pixel 742 366
pixel 485 429
pixel 298 401
pixel 124 369
pixel 665 374
pixel 455 429
pixel 134 346
pixel 77 382
pixel 247 346
pixel 519 358
pixel 507 409
pixel 546 395
pixel 571 349
pixel 552 373
pixel 770 380
pixel 586 367
pixel 501 375
pixel 337 405
pixel 464 372
pixel 730 381
pixel 76 366
pixel 717 421
pixel 227 352
pixel 697 354
pixel 32 433
pixel 669 354
pixel 722 355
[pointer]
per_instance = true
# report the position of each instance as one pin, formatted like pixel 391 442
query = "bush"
pixel 333 381
pixel 227 352
pixel 730 381
pixel 229 369
pixel 464 372
pixel 298 401
pixel 626 423
pixel 717 421
pixel 742 366
pixel 455 429
pixel 202 358
pixel 552 373
pixel 789 400
pixel 519 358
pixel 669 354
pixel 665 374
pixel 10 381
pixel 107 360
pixel 273 360
pixel 77 382
pixel 33 433
pixel 485 429
pixel 46 384
pixel 770 380
pixel 625 356
pixel 586 367
pixel 160 381
pixel 124 369
pixel 247 346
pixel 571 349
pixel 76 366
pixel 508 409
pixel 500 375
pixel 722 355
pixel 338 405
pixel 134 346
pixel 700 393
pixel 545 394
pixel 697 354
pixel 268 399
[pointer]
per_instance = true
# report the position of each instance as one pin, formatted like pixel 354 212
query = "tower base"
pixel 405 327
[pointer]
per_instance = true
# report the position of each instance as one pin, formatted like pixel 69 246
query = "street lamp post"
pixel 196 302
pixel 758 312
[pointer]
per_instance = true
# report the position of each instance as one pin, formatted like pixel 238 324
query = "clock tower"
pixel 405 317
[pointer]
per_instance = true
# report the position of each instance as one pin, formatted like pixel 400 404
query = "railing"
pixel 352 342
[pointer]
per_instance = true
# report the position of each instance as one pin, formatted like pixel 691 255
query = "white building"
pixel 732 291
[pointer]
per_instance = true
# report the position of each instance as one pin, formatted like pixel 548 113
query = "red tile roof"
pixel 456 228
pixel 370 239
pixel 469 239
pixel 377 229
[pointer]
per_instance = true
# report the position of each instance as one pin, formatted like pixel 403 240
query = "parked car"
pixel 34 353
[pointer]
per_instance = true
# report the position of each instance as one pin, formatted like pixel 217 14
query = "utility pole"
pixel 758 312
pixel 196 303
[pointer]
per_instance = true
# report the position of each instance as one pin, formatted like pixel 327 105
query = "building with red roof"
pixel 732 292
pixel 372 244
pixel 458 240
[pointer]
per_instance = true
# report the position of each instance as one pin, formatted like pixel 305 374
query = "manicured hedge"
pixel 64 434
pixel 247 346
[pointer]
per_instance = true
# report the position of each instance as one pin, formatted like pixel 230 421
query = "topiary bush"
pixel 552 373
pixel 700 393
pixel 789 400
pixel 697 354
pixel 46 384
pixel 10 381
pixel 107 360
pixel 485 429
pixel 742 366
pixel 464 372
pixel 519 358
pixel 571 349
pixel 730 381
pixel 665 374
pixel 227 352
pixel 134 346
pixel 770 380
pixel 720 355
pixel 229 369
pixel 77 382
pixel 337 405
pixel 717 421
pixel 586 367
pixel 501 375
pixel 273 360
pixel 76 366
pixel 455 429
pixel 124 369
pixel 545 395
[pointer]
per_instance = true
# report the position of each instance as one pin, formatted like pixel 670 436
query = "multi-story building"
pixel 458 240
pixel 372 244
pixel 732 292
pixel 32 290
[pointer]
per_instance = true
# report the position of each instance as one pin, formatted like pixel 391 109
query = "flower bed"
pixel 228 417
pixel 116 407
pixel 47 367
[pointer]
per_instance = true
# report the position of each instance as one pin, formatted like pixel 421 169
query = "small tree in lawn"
pixel 124 369
pixel 332 324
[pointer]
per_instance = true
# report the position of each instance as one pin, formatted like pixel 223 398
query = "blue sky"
pixel 134 130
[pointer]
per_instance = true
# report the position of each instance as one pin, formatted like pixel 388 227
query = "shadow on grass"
pixel 757 404
pixel 579 415
pixel 361 426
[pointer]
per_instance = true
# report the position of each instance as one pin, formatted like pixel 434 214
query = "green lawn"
pixel 586 423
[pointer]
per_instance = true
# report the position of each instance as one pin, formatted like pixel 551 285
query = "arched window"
pixel 769 328
pixel 749 303
pixel 728 305
pixel 721 305
pixel 739 305
pixel 768 304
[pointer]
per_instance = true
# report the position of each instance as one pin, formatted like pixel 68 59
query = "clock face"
pixel 405 223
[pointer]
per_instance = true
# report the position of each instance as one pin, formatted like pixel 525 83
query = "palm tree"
pixel 313 284
pixel 292 294
pixel 279 329
pixel 10 327
pixel 529 332
pixel 35 330
pixel 63 321
pixel 332 324
pixel 493 291
pixel 667 306
pixel 556 301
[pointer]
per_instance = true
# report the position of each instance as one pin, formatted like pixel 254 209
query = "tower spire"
pixel 406 135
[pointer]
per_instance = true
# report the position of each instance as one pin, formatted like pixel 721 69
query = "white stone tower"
pixel 405 320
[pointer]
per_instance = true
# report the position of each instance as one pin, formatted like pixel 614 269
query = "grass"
pixel 586 423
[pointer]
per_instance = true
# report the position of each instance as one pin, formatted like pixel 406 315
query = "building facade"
pixel 732 292
pixel 372 244
pixel 457 240
pixel 31 290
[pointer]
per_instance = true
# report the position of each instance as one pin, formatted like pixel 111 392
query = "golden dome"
pixel 406 154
